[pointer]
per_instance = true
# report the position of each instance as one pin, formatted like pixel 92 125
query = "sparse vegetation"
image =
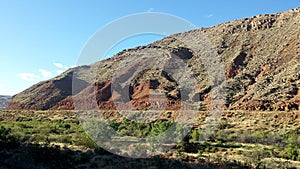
pixel 252 148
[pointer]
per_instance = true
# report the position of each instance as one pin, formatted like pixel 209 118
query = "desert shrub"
pixel 115 125
pixel 293 138
pixel 24 125
pixel 181 146
pixel 159 127
pixel 251 137
pixel 230 136
pixel 209 148
pixel 141 130
pixel 55 129
pixel 45 131
pixel 64 139
pixel 22 137
pixel 37 138
pixel 274 139
pixel 229 145
pixel 256 155
pixel 86 141
pixel 291 152
pixel 66 125
pixel 23 118
pixel 195 135
pixel 7 140
pixel 223 124
pixel 261 137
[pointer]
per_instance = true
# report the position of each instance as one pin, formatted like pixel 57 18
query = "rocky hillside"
pixel 4 101
pixel 260 55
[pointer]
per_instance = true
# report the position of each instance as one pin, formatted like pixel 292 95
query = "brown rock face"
pixel 238 62
pixel 260 55
pixel 45 95
pixel 100 96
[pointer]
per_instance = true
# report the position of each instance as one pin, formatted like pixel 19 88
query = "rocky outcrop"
pixel 44 95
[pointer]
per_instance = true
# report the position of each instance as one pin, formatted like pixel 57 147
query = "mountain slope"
pixel 261 57
pixel 44 95
pixel 4 100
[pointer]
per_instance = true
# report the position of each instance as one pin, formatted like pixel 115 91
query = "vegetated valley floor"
pixel 243 139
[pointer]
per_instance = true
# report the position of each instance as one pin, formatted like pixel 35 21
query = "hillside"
pixel 260 55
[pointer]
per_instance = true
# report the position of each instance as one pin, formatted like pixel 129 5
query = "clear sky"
pixel 39 39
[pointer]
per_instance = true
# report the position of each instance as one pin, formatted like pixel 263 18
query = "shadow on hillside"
pixel 32 156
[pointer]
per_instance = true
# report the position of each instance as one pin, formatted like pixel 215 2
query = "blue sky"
pixel 39 39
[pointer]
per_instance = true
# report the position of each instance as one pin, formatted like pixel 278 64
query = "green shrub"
pixel 195 135
pixel 64 139
pixel 86 141
pixel 7 140
pixel 159 127
pixel 291 152
pixel 181 147
pixel 66 126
